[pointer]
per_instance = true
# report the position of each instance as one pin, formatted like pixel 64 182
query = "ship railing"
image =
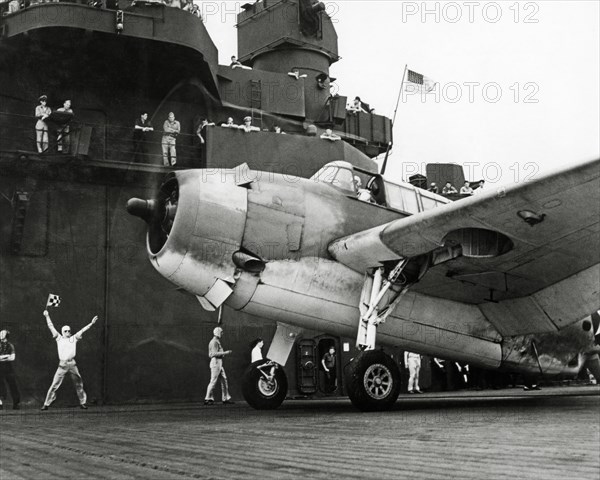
pixel 13 6
pixel 98 141
pixel 121 144
pixel 8 7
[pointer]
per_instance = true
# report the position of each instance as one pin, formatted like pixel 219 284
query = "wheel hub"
pixel 267 387
pixel 378 381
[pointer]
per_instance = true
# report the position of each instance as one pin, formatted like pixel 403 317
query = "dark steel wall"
pixel 151 340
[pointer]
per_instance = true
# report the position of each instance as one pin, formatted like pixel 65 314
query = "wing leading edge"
pixel 528 254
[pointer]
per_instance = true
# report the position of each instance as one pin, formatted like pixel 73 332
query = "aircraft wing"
pixel 525 277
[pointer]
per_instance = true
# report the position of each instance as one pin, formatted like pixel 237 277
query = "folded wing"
pixel 528 254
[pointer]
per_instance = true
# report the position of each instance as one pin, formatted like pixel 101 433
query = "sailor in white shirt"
pixel 256 354
pixel 229 124
pixel 466 189
pixel 296 74
pixel 67 348
pixel 413 362
pixel 216 354
pixel 247 126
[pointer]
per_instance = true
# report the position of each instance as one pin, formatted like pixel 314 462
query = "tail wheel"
pixel 373 381
pixel 264 385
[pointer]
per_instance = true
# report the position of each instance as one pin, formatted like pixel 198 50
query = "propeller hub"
pixel 145 209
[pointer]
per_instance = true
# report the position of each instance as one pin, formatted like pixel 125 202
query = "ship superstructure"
pixel 64 228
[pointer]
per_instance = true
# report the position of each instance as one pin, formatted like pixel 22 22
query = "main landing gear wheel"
pixel 373 381
pixel 264 385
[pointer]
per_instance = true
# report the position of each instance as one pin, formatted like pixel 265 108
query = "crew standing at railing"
pixel 171 129
pixel 229 123
pixel 247 126
pixel 201 130
pixel 140 138
pixel 14 6
pixel 42 112
pixel 63 139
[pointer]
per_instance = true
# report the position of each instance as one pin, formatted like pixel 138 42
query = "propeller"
pixel 159 213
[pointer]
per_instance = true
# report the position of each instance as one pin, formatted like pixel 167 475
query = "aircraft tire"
pixel 261 394
pixel 373 381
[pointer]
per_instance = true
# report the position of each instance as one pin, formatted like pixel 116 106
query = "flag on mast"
pixel 53 300
pixel 425 84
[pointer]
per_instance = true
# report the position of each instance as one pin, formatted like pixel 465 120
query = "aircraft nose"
pixel 159 213
pixel 195 223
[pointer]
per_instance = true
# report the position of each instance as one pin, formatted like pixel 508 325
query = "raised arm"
pixel 50 325
pixel 87 327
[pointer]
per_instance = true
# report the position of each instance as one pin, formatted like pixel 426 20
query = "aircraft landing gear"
pixel 373 381
pixel 264 385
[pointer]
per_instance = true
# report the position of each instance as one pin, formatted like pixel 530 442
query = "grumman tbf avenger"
pixel 502 280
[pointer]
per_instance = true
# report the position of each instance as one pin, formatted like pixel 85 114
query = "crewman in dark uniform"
pixel 141 137
pixel 7 357
pixel 328 363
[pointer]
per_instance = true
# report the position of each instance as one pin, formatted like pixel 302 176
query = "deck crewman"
pixel 67 346
pixel 7 357
pixel 413 362
pixel 216 354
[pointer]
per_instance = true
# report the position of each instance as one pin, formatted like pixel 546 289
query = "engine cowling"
pixel 195 224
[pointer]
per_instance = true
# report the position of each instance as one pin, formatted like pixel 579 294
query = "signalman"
pixel 67 347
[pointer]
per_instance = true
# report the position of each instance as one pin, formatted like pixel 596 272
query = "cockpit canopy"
pixel 403 197
pixel 340 174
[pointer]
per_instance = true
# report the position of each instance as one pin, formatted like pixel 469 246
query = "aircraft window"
pixel 335 175
pixel 394 196
pixel 409 196
pixel 326 174
pixel 428 202
pixel 344 179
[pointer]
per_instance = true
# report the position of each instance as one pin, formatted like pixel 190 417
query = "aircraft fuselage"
pixel 258 242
